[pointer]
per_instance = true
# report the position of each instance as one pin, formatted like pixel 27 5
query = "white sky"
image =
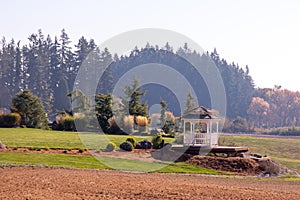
pixel 263 34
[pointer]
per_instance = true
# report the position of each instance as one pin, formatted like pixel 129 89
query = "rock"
pixel 2 146
pixel 272 168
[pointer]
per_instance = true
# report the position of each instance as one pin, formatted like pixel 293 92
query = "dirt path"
pixel 47 183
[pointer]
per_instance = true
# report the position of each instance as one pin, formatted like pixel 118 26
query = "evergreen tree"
pixel 80 102
pixel 189 102
pixel 62 65
pixel 103 109
pixel 133 98
pixel 163 110
pixel 106 81
pixel 166 121
pixel 38 67
pixel 19 74
pixel 30 109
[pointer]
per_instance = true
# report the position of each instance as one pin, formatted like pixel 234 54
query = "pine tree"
pixel 163 110
pixel 106 81
pixel 30 109
pixel 62 64
pixel 133 98
pixel 103 109
pixel 38 67
pixel 189 102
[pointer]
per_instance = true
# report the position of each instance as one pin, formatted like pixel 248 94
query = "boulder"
pixel 2 146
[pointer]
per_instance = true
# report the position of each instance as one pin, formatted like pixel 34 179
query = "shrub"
pixel 179 139
pixel 238 125
pixel 80 121
pixel 69 124
pixel 10 120
pixel 66 122
pixel 128 124
pixel 156 141
pixel 110 147
pixel 114 126
pixel 145 144
pixel 81 150
pixel 59 121
pixel 143 129
pixel 142 121
pixel 132 140
pixel 30 109
pixel 127 146
pixel 170 116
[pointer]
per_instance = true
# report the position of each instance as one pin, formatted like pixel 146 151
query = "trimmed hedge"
pixel 65 122
pixel 10 120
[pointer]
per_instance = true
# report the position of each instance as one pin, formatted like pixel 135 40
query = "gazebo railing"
pixel 203 139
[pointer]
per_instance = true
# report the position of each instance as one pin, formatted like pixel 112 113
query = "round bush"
pixel 145 144
pixel 132 140
pixel 127 146
pixel 110 147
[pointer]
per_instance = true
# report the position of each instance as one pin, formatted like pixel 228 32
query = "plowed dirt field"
pixel 60 183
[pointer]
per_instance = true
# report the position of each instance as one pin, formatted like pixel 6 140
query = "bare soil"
pixel 55 151
pixel 59 183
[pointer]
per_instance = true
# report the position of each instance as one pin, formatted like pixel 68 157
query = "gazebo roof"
pixel 201 113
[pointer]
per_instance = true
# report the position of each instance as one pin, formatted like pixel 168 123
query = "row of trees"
pixel 275 108
pixel 48 67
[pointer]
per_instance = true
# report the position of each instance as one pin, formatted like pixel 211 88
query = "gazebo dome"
pixel 201 113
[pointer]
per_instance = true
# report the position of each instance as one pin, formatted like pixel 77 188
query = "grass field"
pixel 36 138
pixel 283 150
pixel 90 162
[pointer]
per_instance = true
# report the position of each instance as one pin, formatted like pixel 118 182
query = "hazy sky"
pixel 265 35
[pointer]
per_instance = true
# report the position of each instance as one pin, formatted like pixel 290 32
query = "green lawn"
pixel 36 138
pixel 74 161
pixel 283 150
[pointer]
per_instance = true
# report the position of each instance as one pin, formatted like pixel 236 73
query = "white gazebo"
pixel 200 127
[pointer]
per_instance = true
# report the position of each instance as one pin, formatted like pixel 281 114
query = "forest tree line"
pixel 48 67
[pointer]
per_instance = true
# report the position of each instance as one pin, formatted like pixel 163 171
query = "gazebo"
pixel 201 127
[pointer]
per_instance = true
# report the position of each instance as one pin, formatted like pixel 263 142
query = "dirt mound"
pixel 246 166
pixel 232 164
